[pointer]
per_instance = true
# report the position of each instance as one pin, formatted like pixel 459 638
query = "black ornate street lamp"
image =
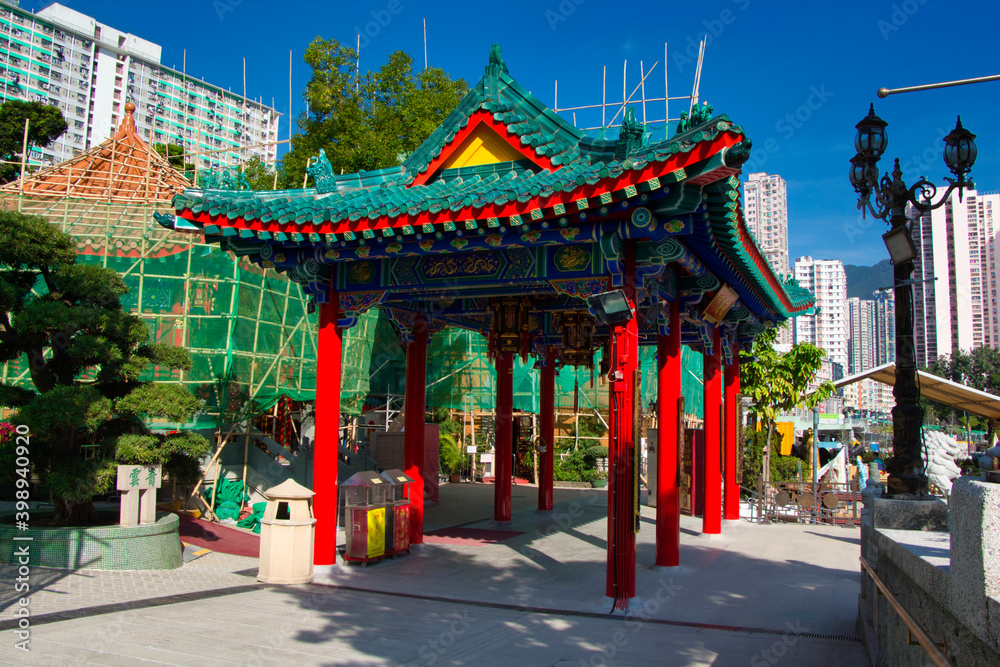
pixel 886 199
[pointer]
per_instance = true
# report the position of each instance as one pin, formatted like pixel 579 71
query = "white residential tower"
pixel 62 57
pixel 827 329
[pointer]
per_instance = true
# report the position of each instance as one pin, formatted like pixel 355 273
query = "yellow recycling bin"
pixel 286 535
pixel 364 495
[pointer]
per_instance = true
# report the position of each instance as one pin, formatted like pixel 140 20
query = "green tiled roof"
pixel 563 173
pixel 736 246
pixel 375 194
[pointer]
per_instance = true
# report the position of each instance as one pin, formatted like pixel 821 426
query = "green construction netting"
pixel 248 329
pixel 460 375
pixel 252 339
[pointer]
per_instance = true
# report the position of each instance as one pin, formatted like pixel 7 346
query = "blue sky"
pixel 796 75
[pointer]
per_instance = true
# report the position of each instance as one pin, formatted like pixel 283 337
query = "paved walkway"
pixel 759 595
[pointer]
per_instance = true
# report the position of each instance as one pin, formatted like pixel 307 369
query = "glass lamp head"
pixel 960 150
pixel 871 140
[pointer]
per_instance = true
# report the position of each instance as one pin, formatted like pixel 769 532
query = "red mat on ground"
pixel 219 538
pixel 518 481
pixel 475 537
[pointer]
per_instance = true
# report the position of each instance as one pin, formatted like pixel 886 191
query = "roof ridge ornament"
pixel 699 115
pixel 223 179
pixel 491 80
pixel 630 136
pixel 321 170
pixel 496 60
pixel 790 281
pixel 127 125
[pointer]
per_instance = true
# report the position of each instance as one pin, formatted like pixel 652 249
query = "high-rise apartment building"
pixel 765 210
pixel 62 57
pixel 955 298
pixel 861 330
pixel 871 342
pixel 869 396
pixel 828 329
pixel 871 331
pixel 885 328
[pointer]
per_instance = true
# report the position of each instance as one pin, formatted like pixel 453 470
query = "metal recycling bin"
pixel 287 533
pixel 364 496
pixel 397 513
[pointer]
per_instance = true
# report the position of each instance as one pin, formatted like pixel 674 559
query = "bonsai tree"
pixel 85 356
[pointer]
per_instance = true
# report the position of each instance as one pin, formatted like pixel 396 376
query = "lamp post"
pixel 886 199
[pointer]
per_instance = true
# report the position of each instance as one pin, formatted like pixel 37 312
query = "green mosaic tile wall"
pixel 155 546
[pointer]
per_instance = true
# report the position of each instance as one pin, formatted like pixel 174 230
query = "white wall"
pixel 103 96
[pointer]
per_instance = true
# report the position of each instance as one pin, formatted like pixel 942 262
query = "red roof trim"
pixel 701 152
pixel 763 266
pixel 478 118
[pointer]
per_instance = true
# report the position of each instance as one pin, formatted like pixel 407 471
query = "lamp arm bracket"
pixel 883 215
pixel 928 191
pixel 865 206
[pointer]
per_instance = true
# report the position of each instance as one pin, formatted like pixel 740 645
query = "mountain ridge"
pixel 862 281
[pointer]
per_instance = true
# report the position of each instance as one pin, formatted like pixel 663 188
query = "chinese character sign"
pixel 139 477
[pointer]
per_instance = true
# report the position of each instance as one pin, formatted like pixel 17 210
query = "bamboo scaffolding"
pixel 621 106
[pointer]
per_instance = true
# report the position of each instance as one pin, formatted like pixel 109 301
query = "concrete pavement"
pixel 758 595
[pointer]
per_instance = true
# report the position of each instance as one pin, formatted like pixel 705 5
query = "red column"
pixel 621 480
pixel 731 510
pixel 668 391
pixel 413 426
pixel 547 408
pixel 326 458
pixel 504 449
pixel 712 517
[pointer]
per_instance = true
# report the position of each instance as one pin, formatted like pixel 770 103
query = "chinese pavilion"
pixel 505 221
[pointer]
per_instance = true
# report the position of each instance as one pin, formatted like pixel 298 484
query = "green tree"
pixel 85 355
pixel 258 175
pixel 979 369
pixel 777 383
pixel 45 125
pixel 174 155
pixel 366 121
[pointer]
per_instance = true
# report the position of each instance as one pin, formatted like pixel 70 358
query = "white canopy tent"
pixel 937 389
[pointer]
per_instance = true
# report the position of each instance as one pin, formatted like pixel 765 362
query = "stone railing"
pixel 942 565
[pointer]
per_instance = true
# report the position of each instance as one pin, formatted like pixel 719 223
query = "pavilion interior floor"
pixel 763 577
